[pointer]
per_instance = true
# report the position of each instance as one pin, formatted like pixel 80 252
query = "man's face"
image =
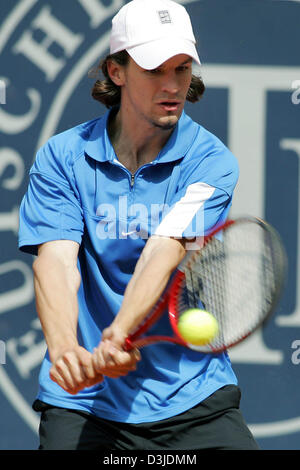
pixel 157 96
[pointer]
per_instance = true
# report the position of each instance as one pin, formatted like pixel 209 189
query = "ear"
pixel 116 72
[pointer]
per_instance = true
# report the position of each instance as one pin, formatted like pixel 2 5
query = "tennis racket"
pixel 237 275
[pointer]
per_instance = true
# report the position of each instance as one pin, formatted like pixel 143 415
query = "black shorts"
pixel 215 423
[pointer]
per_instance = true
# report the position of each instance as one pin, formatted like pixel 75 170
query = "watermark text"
pixel 2 92
pixel 296 354
pixel 2 352
pixel 296 94
pixel 122 221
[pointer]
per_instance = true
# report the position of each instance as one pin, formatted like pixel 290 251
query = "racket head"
pixel 238 276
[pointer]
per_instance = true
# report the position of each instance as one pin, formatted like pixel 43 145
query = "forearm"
pixel 57 280
pixel 157 262
pixel 148 282
pixel 56 285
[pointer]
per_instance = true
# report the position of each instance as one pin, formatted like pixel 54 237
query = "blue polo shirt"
pixel 78 190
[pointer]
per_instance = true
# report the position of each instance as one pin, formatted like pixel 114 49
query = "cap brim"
pixel 152 54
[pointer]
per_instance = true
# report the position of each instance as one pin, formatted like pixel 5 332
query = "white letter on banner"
pixel 248 87
pixel 97 12
pixel 293 320
pixel 20 295
pixel 34 352
pixel 9 221
pixel 10 124
pixel 55 32
pixel 9 157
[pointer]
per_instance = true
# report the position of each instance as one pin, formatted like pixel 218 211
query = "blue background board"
pixel 251 68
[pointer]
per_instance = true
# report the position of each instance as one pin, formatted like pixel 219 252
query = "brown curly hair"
pixel 106 92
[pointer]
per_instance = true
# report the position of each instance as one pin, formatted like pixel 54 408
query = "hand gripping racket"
pixel 237 276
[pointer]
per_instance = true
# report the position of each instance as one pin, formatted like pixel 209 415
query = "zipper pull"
pixel 132 180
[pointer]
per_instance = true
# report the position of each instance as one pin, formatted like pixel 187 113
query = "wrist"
pixel 60 347
pixel 115 333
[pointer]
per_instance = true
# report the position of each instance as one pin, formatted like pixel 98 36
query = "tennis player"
pixel 111 209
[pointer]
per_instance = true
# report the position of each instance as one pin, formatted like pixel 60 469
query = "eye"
pixel 183 68
pixel 153 71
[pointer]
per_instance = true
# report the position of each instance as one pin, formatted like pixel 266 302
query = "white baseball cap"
pixel 153 31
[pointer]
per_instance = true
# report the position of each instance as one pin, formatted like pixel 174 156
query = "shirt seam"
pixel 41 173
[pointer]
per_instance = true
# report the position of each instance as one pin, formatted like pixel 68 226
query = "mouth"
pixel 169 105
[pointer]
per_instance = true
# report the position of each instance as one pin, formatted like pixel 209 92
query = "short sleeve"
pixel 50 209
pixel 203 196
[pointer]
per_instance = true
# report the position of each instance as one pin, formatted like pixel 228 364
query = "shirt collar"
pixel 99 146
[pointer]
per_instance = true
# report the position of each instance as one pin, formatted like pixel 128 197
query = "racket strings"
pixel 235 278
pixel 207 274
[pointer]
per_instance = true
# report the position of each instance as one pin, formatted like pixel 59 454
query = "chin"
pixel 167 123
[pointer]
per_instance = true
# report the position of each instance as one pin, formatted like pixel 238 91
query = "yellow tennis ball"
pixel 197 326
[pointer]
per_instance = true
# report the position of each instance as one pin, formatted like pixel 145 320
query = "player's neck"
pixel 136 143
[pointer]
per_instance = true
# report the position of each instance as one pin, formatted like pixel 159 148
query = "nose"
pixel 170 84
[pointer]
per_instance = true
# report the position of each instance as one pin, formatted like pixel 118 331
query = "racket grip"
pixel 128 346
